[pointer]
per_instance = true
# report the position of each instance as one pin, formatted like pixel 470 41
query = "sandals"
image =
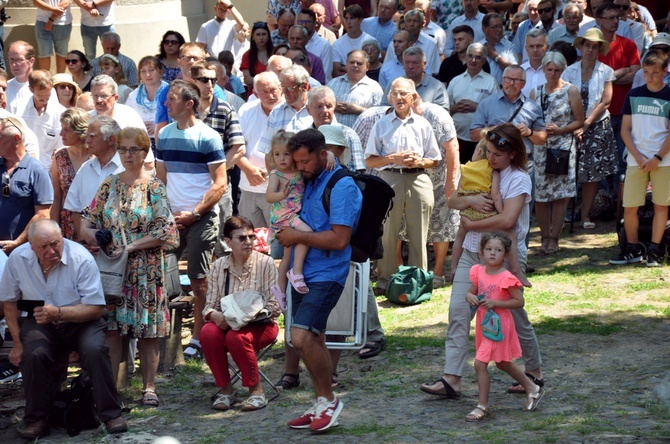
pixel 335 380
pixel 477 414
pixel 371 349
pixel 298 282
pixel 588 225
pixel 279 295
pixel 449 391
pixel 255 402
pixel 533 399
pixel 195 354
pixel 517 388
pixel 552 249
pixel 288 385
pixel 223 402
pixel 439 281
pixel 149 398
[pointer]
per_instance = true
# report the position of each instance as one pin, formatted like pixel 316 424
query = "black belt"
pixel 406 170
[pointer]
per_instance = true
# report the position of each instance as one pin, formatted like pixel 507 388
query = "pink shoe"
pixel 298 282
pixel 279 296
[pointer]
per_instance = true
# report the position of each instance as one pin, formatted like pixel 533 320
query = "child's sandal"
pixel 477 414
pixel 298 282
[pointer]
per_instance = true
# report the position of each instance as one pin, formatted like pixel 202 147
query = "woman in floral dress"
pixel 133 205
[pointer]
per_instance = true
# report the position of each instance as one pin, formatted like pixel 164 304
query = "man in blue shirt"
pixel 325 271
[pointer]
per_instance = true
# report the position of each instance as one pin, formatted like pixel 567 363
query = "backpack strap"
pixel 325 198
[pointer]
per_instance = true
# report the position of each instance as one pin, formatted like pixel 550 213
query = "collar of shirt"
pixel 521 97
pixel 116 160
pixel 409 119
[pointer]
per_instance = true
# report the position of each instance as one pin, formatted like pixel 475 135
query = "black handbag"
pixel 172 286
pixel 558 162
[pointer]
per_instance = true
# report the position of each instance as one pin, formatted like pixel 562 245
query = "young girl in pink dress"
pixel 501 291
pixel 285 190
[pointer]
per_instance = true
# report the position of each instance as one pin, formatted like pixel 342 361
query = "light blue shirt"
pixel 74 280
pixel 383 33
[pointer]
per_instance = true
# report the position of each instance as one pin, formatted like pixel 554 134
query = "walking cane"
pixel 574 198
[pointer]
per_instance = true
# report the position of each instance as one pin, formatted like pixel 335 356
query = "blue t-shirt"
pixel 345 209
pixel 29 185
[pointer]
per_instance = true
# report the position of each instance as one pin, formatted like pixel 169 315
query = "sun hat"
pixel 334 135
pixel 662 38
pixel 65 78
pixel 593 35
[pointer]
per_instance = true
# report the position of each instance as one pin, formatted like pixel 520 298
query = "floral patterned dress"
pixel 556 109
pixel 66 173
pixel 144 210
pixel 285 213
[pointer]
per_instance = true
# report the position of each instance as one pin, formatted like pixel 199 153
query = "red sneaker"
pixel 326 414
pixel 303 421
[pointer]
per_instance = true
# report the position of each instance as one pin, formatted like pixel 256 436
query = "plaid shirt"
pixel 366 93
pixel 365 122
pixel 223 119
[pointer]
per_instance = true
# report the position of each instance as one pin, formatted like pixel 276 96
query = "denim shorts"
pixel 58 38
pixel 311 311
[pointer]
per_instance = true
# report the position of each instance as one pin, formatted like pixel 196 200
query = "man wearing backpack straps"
pixel 326 269
pixel 402 146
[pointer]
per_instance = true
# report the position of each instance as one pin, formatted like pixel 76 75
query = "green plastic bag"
pixel 410 286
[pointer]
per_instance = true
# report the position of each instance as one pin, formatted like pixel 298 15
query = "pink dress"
pixel 285 213
pixel 495 287
pixel 66 175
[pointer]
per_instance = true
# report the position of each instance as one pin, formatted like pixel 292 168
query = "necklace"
pixel 46 270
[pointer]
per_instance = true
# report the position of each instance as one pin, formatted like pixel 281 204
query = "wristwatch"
pixel 196 215
pixel 231 6
pixel 497 59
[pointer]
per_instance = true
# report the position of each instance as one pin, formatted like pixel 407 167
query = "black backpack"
pixel 366 241
pixel 74 408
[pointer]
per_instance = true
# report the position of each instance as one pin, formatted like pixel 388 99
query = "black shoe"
pixel 654 258
pixel 629 257
pixel 9 373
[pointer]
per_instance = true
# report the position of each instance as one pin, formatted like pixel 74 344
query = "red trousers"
pixel 242 346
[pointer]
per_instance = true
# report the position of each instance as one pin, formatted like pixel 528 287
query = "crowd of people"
pixel 477 113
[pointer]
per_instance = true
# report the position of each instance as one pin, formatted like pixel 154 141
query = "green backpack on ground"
pixel 410 286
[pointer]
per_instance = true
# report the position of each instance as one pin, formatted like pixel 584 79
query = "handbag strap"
pixel 516 112
pixel 118 207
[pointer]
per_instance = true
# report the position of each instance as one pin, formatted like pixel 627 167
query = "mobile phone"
pixel 28 305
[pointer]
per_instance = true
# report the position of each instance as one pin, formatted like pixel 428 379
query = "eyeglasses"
pixel 512 80
pixel 170 42
pixel 246 237
pixel 611 19
pixel 5 184
pixel 545 10
pixel 623 7
pixel 206 80
pixel 291 88
pixel 4 121
pixel 474 56
pixel 103 97
pixel 496 139
pixel 71 61
pixel 400 94
pixel 304 22
pixel 133 151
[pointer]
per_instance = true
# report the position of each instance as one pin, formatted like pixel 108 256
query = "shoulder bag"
pixel 113 269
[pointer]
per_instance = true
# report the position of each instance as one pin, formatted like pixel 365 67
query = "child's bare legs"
pixel 299 254
pixel 483 382
pixel 456 252
pixel 284 266
pixel 534 391
pixel 513 260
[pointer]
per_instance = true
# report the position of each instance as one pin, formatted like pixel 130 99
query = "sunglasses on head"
pixel 496 139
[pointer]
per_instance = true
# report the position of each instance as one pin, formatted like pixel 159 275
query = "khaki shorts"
pixel 199 240
pixel 635 186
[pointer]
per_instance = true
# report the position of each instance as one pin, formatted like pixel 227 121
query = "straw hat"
pixel 65 78
pixel 593 35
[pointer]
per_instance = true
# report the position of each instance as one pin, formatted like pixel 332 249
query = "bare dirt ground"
pixel 601 388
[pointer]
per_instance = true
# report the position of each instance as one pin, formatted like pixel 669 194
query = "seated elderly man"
pixel 63 276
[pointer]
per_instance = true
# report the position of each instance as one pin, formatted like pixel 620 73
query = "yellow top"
pixel 476 176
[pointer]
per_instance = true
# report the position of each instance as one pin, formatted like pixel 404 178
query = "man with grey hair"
pixel 536 48
pixel 254 117
pixel 573 14
pixel 432 29
pixel 500 50
pixel 465 91
pixel 27 193
pixel 298 37
pixel 382 27
pixel 413 24
pixel 64 276
pixel 355 91
pixel 101 138
pixel 428 87
pixel 111 43
pixel 292 115
pixel 320 13
pixel 402 157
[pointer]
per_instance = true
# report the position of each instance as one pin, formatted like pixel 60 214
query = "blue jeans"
pixel 89 35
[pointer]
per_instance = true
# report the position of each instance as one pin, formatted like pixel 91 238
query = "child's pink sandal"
pixel 298 282
pixel 280 296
